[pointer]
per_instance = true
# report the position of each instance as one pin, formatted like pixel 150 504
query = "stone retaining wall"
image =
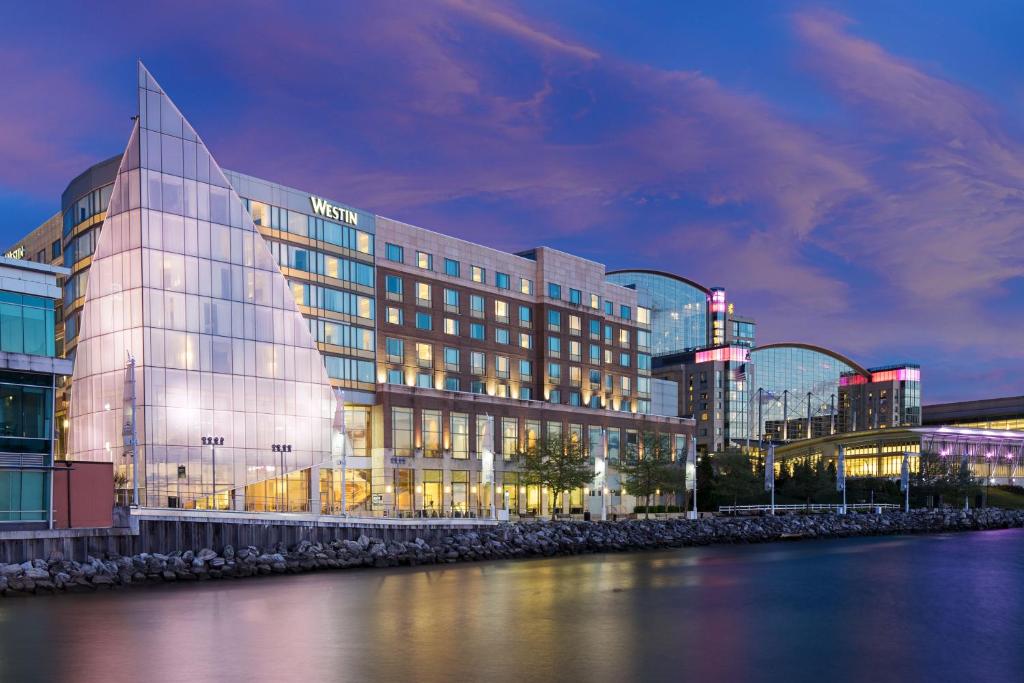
pixel 504 541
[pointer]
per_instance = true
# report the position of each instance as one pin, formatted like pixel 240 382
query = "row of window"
pixel 436 435
pixel 319 263
pixel 329 299
pixel 304 225
pixel 453 268
pixel 575 297
pixel 88 206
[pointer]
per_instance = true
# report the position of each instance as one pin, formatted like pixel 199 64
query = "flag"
pixel 769 468
pixel 599 463
pixel 905 472
pixel 340 445
pixel 739 373
pixel 691 462
pixel 841 469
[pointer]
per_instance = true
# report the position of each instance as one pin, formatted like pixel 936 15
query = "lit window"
pixel 478 274
pixel 394 315
pixel 425 260
pixel 501 367
pixel 575 351
pixel 643 315
pixel 525 285
pixel 575 326
pixel 477 362
pixel 501 310
pixel 424 355
pixel 423 295
pixel 595 301
pixel 525 340
pixel 451 326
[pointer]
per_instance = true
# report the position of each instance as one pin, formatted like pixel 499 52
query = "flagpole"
pixel 344 455
pixel 769 473
pixel 692 456
pixel 841 475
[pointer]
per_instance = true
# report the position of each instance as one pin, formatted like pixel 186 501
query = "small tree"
pixel 557 464
pixel 735 476
pixel 649 467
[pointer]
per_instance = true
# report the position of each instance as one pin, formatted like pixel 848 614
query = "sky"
pixel 852 173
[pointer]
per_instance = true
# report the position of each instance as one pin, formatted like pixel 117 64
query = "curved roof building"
pixel 679 308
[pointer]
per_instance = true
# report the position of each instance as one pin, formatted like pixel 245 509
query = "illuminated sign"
pixel 324 208
pixel 17 253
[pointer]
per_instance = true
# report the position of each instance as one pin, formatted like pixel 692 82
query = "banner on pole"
pixel 905 472
pixel 769 468
pixel 487 455
pixel 841 469
pixel 691 464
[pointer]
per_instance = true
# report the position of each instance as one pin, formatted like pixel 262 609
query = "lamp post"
pixel 282 448
pixel 213 442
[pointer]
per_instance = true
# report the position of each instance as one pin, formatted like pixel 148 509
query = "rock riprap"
pixel 505 541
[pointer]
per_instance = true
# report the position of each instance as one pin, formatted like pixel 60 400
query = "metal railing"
pixel 804 507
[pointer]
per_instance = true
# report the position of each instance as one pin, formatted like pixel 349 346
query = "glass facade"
pixel 785 376
pixel 26 324
pixel 183 282
pixel 679 309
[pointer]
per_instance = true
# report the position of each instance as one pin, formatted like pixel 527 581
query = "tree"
pixel 648 467
pixel 735 476
pixel 556 464
pixel 706 484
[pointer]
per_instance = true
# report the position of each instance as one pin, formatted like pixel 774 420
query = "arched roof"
pixel 661 273
pixel 819 349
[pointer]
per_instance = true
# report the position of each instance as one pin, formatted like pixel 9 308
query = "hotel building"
pixel 219 321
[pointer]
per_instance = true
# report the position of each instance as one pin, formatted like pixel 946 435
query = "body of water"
pixel 929 608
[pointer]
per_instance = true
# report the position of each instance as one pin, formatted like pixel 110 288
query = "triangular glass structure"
pixel 231 389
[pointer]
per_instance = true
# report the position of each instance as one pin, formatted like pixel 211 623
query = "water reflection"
pixel 940 607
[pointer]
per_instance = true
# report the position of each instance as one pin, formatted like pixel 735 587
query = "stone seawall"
pixel 504 541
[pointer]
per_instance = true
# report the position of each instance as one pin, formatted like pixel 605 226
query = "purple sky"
pixel 852 174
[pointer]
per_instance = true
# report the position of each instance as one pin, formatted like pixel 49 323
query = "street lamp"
pixel 282 448
pixel 213 442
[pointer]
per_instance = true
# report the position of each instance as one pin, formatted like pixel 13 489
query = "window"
pixel 643 385
pixel 575 327
pixel 525 316
pixel 451 359
pixel 476 387
pixel 574 398
pixel 627 385
pixel 625 312
pixel 451 326
pixel 624 360
pixel 478 274
pixel 554 346
pixel 525 370
pixel 501 335
pixel 554 372
pixel 394 315
pixel 608 334
pixel 575 376
pixel 643 361
pixel 424 355
pixel 595 379
pixel 395 349
pixel 575 351
pixel 643 315
pixel 424 321
pixel 575 296
pixel 502 281
pixel 608 356
pixel 451 300
pixel 525 340
pixel 509 437
pixel 477 362
pixel 501 311
pixel 554 320
pixel 476 331
pixel 555 396
pixel 525 393
pixel 595 301
pixel 460 435
pixel 393 287
pixel 609 308
pixel 431 420
pixel 595 329
pixel 476 306
pixel 451 384
pixel 423 294
pixel 425 260
pixel 624 337
pixel 525 285
pixel 401 431
pixel 395 377
pixel 451 267
pixel 595 354
pixel 554 291
pixel 55 249
pixel 501 367
pixel 393 252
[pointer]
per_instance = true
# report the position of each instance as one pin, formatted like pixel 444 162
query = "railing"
pixel 808 507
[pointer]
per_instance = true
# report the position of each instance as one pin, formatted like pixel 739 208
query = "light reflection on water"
pixel 934 608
